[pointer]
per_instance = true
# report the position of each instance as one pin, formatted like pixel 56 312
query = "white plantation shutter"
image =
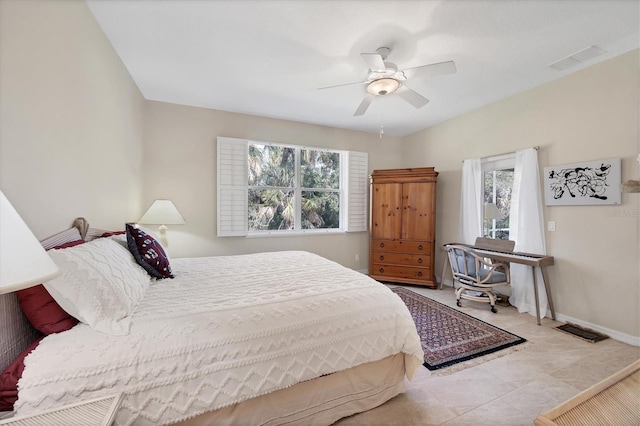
pixel 232 194
pixel 358 182
pixel 232 186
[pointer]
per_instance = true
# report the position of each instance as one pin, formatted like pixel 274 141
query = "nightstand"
pixel 94 412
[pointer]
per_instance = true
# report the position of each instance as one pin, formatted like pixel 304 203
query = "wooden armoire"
pixel 403 223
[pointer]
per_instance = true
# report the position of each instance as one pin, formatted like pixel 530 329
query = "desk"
pixel 534 260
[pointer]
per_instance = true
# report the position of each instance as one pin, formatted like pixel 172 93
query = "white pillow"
pixel 122 240
pixel 101 284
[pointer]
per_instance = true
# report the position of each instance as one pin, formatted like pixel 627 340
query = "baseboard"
pixel 363 271
pixel 622 337
pixel 614 334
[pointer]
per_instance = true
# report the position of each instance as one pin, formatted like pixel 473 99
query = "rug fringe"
pixel 445 371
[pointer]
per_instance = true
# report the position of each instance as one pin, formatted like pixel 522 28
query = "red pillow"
pixel 42 311
pixel 67 244
pixel 111 234
pixel 10 376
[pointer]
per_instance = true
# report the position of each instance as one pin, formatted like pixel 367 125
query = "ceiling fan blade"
pixel 364 105
pixel 374 61
pixel 411 96
pixel 423 71
pixel 340 85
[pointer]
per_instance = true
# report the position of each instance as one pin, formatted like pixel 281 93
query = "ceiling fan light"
pixel 383 86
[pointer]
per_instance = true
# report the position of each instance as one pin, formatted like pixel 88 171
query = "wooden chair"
pixel 476 277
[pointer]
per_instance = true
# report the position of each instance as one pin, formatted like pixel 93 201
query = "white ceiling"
pixel 267 58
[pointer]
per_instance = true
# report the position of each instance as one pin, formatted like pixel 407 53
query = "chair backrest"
pixel 495 244
pixel 461 261
pixel 470 268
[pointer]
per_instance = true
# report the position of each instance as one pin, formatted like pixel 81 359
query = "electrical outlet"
pixel 357 258
pixel 551 226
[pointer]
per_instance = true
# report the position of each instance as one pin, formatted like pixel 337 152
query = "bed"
pixel 267 338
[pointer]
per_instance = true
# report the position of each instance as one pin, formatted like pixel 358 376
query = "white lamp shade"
pixel 491 212
pixel 162 212
pixel 23 261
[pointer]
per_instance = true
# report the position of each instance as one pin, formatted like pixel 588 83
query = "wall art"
pixel 586 183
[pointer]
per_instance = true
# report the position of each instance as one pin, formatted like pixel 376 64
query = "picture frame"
pixel 586 183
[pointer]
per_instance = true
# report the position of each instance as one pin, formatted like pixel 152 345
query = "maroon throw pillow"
pixel 10 376
pixel 148 253
pixel 67 245
pixel 111 234
pixel 42 311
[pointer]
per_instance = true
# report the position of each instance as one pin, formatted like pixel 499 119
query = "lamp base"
pixel 162 231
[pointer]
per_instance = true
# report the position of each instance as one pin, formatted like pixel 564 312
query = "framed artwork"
pixel 587 183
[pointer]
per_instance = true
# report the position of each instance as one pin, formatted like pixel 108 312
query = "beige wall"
pixel 70 119
pixel 180 158
pixel 589 115
pixel 73 128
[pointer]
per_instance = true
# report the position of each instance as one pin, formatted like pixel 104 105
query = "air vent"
pixel 576 58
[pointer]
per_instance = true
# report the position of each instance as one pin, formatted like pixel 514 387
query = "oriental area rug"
pixel 449 336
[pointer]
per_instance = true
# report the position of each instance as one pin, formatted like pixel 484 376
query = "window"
pixel 497 178
pixel 275 189
pixel 293 188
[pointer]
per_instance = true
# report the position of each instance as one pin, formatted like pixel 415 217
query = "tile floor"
pixel 507 390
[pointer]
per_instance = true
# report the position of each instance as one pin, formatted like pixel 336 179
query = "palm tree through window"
pixel 293 188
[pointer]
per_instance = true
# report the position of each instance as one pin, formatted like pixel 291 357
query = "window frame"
pixel 233 186
pixel 493 164
pixel 298 189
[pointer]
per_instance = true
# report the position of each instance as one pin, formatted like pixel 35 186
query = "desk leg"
pixel 535 291
pixel 547 287
pixel 444 270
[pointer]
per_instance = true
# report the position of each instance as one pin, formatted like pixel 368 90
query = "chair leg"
pixel 459 291
pixel 492 300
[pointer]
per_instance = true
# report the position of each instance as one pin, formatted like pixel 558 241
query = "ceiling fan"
pixel 385 78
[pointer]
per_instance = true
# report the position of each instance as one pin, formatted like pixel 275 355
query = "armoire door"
pixel 417 211
pixel 386 213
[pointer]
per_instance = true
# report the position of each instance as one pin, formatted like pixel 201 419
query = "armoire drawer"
pixel 401 272
pixel 410 246
pixel 396 258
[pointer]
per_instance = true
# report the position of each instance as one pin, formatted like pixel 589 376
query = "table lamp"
pixel 491 213
pixel 162 212
pixel 23 261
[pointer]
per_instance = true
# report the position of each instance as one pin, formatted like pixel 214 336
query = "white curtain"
pixel 526 227
pixel 471 202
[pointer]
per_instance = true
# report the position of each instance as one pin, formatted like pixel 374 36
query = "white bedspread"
pixel 226 329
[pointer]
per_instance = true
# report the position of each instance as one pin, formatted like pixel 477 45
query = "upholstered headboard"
pixel 17 332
